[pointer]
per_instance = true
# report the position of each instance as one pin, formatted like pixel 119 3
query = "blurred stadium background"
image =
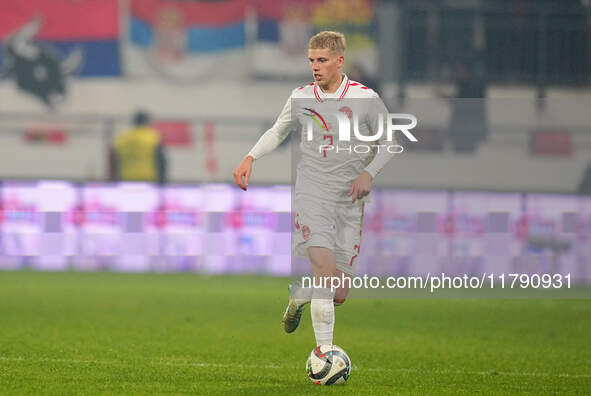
pixel 501 90
pixel 498 182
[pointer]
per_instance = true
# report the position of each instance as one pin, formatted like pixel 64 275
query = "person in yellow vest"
pixel 138 154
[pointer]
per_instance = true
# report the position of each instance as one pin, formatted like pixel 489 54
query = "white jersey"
pixel 329 166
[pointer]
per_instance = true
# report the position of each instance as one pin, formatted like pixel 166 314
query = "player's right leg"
pixel 298 298
pixel 323 265
pixel 313 237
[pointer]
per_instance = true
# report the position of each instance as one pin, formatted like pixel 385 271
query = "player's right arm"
pixel 267 143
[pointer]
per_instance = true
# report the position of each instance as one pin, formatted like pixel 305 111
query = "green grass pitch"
pixel 102 333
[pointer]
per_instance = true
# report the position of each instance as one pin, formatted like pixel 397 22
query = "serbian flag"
pixel 183 39
pixel 91 26
pixel 284 28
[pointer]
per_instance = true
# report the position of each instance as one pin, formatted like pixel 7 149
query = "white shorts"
pixel 336 226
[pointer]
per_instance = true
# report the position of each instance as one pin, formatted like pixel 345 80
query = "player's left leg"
pixel 347 247
pixel 341 293
pixel 322 306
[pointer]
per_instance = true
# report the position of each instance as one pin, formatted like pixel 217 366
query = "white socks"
pixel 322 310
pixel 302 295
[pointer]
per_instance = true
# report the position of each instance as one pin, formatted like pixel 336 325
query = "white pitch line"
pixel 491 372
pixel 165 362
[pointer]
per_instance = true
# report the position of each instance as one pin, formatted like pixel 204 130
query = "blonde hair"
pixel 333 41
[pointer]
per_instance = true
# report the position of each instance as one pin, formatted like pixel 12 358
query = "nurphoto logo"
pixel 345 116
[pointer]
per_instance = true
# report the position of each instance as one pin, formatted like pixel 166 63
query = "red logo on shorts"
pixel 306 232
pixel 297 223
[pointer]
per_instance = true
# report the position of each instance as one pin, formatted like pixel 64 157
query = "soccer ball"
pixel 328 364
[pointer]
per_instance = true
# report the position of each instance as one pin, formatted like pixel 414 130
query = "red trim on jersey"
pixel 345 90
pixel 365 88
pixel 304 86
pixel 355 84
pixel 316 94
pixel 342 95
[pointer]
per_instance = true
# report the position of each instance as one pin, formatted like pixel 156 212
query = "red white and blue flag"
pixel 66 25
pixel 186 40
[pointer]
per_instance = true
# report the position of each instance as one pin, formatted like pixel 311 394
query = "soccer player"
pixel 330 187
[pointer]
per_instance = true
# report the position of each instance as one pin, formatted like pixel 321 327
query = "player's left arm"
pixel 362 185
